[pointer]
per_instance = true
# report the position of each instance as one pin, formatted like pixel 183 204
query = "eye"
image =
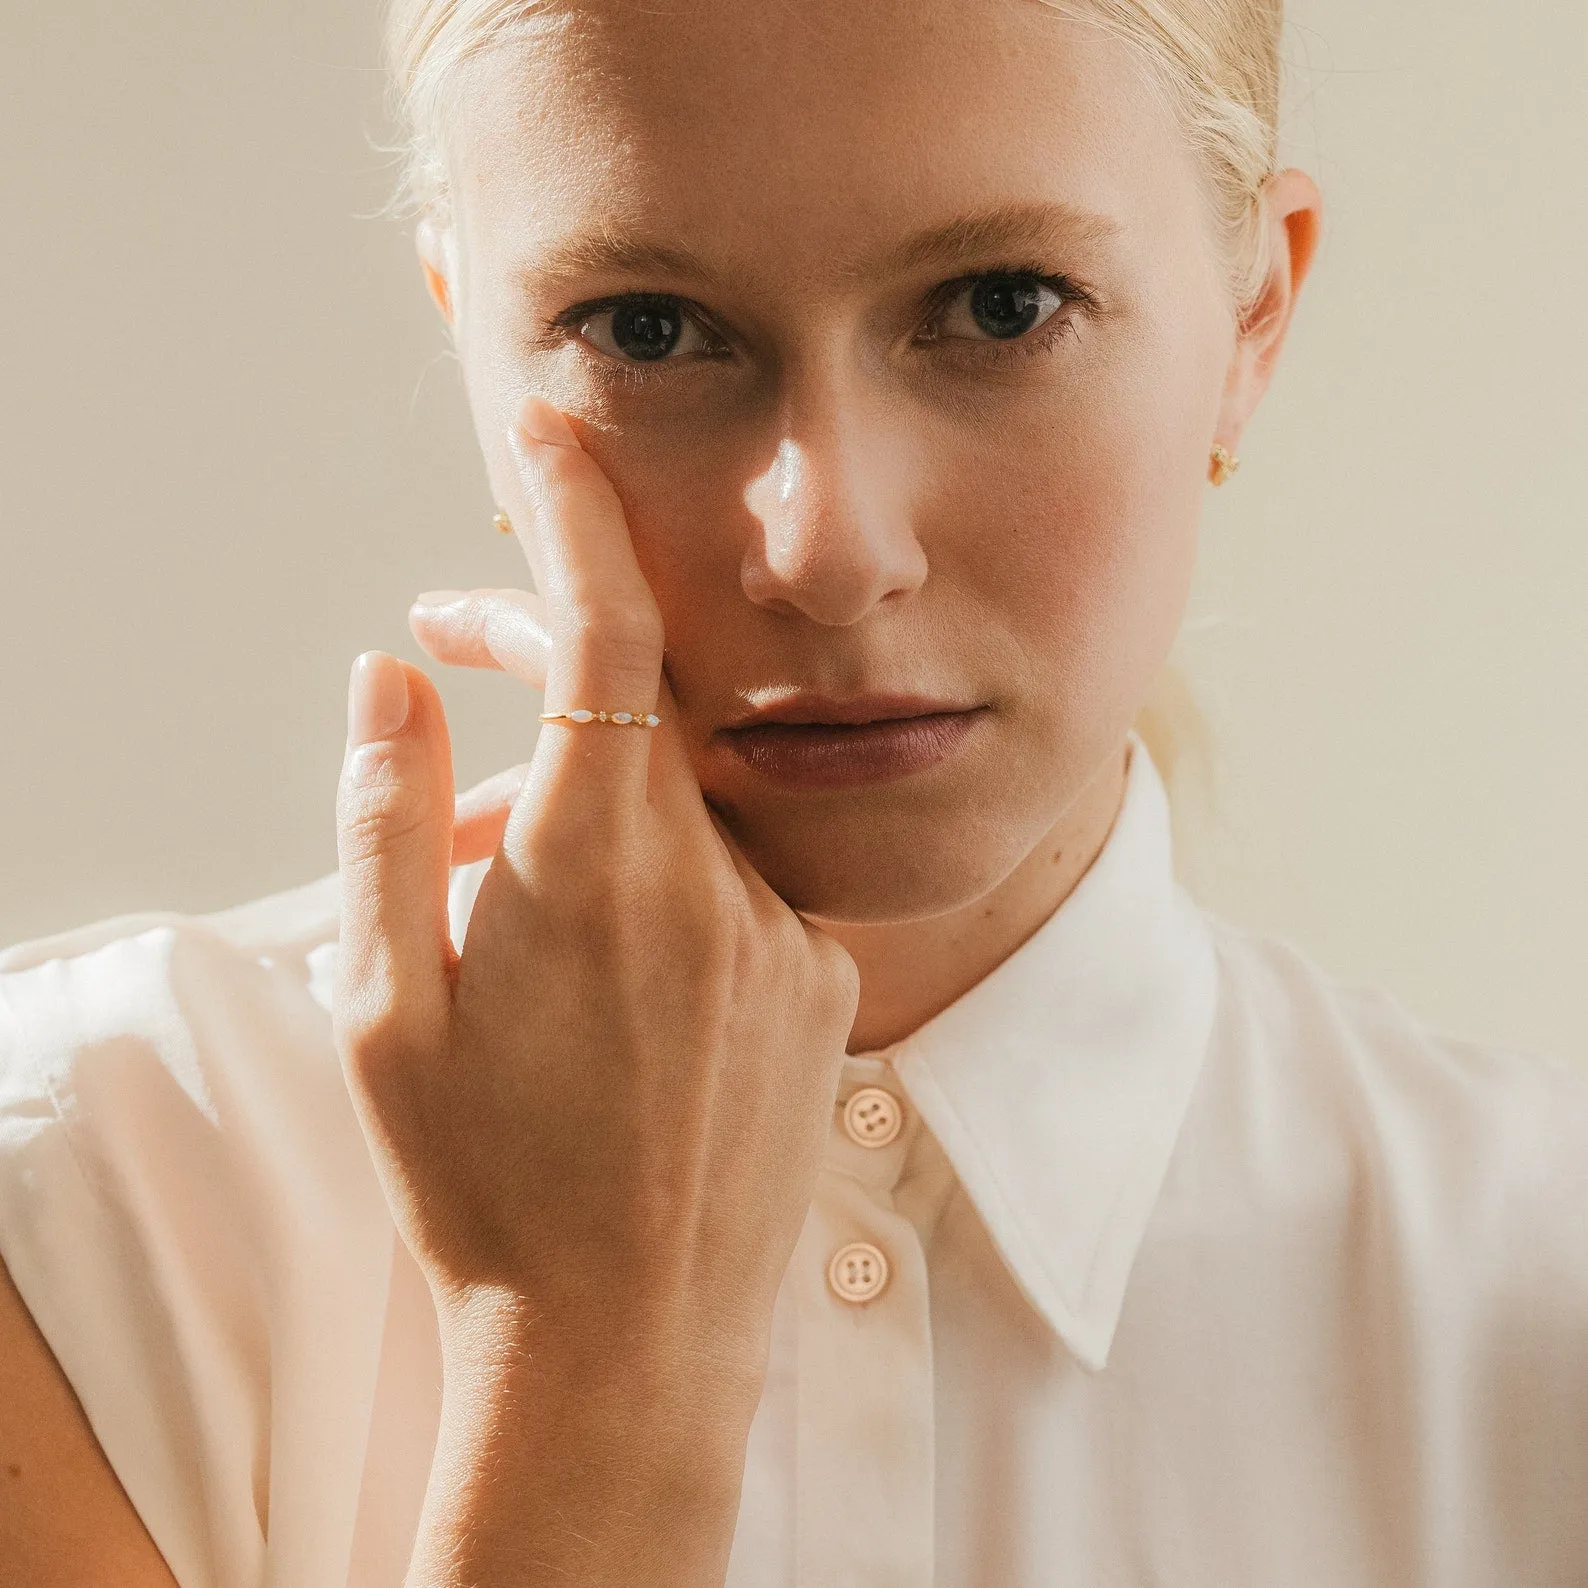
pixel 1003 307
pixel 639 328
pixel 995 310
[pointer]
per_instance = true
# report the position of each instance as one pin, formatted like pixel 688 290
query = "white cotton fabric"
pixel 1206 1270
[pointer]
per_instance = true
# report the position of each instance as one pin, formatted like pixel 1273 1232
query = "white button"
pixel 858 1272
pixel 873 1116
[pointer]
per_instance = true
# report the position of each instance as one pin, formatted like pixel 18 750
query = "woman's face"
pixel 903 338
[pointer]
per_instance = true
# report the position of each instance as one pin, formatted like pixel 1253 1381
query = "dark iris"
pixel 646 330
pixel 1005 306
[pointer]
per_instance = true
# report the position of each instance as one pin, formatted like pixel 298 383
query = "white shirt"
pixel 1203 1269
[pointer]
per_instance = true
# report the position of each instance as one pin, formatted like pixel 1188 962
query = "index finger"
pixel 605 625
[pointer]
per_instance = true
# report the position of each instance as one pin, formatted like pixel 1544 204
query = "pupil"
pixel 645 331
pixel 1005 306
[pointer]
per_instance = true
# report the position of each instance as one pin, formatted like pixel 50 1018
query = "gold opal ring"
pixel 624 719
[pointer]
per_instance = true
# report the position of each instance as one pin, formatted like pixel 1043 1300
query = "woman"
pixel 796 1131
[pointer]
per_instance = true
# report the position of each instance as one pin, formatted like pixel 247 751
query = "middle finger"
pixel 508 631
pixel 503 629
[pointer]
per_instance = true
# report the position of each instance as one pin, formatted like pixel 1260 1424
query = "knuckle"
pixel 699 914
pixel 575 846
pixel 373 1043
pixel 588 879
pixel 839 975
pixel 618 635
pixel 376 808
pixel 386 1046
pixel 784 935
pixel 726 917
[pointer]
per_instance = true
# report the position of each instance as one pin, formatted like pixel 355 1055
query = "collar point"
pixel 1089 1347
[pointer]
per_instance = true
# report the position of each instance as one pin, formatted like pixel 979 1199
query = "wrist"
pixel 497 1344
pixel 559 1458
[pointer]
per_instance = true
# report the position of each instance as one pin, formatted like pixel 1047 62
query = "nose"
pixel 834 510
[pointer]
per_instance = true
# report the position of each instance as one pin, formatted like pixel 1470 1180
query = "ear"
pixel 435 258
pixel 1293 212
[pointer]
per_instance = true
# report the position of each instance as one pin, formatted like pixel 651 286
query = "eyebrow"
pixel 1051 227
pixel 1045 228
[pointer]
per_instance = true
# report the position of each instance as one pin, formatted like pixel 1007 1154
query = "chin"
pixel 863 865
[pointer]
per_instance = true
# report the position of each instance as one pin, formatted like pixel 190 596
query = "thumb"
pixel 394 811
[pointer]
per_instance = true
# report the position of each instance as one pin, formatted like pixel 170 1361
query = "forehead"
pixel 809 132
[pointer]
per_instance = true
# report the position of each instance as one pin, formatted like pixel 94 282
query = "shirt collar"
pixel 1057 1085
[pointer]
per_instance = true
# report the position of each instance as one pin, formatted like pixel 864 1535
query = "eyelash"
pixel 564 327
pixel 1045 336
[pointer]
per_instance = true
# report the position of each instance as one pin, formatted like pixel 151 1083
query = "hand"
pixel 505 630
pixel 602 1122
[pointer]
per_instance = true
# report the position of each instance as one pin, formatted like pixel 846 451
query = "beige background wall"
pixel 232 450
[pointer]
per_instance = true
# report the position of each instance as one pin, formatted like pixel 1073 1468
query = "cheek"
pixel 683 495
pixel 1123 459
pixel 1075 524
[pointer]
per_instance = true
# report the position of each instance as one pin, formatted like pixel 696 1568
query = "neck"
pixel 912 970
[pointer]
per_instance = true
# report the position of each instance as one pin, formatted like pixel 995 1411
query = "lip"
pixel 808 707
pixel 811 741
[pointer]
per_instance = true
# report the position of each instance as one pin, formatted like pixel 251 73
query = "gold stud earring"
pixel 1221 465
pixel 503 523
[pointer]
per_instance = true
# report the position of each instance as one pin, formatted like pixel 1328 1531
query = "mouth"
pixel 809 741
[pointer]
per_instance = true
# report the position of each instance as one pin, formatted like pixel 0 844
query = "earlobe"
pixel 431 244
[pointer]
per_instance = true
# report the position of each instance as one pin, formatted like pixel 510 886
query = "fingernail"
pixel 377 698
pixel 439 598
pixel 541 421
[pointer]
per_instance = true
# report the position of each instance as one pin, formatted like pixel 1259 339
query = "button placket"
pixel 871 1132
pixel 858 1272
pixel 873 1116
pixel 865 1435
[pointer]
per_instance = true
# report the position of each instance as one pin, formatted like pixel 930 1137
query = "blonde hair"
pixel 1219 63
pixel 1217 60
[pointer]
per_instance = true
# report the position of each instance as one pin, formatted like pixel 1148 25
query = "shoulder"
pixel 165 1049
pixel 1283 1009
pixel 189 1211
pixel 1395 1217
pixel 221 1009
pixel 140 1002
pixel 168 1052
pixel 1459 1151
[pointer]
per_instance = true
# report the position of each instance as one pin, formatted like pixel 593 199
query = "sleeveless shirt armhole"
pixel 189 1211
pixel 94 1295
